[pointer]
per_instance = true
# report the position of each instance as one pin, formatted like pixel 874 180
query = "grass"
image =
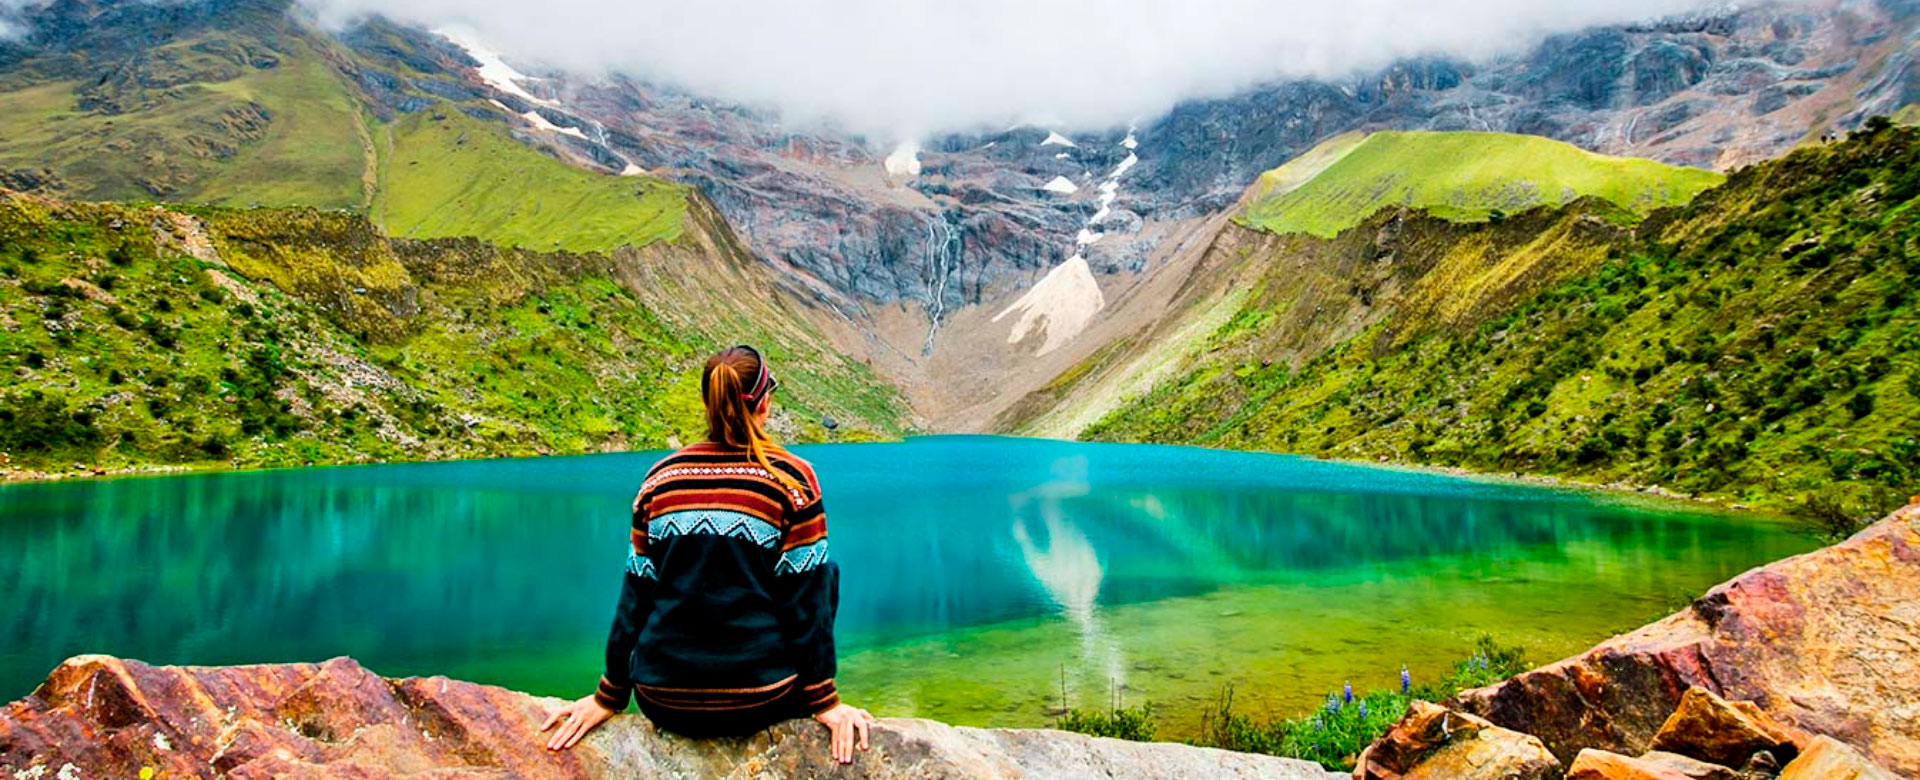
pixel 1761 346
pixel 1332 735
pixel 314 339
pixel 451 175
pixel 1457 175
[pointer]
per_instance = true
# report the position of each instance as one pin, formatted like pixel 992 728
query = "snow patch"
pixel 1087 237
pixel 905 160
pixel 1059 306
pixel 1062 155
pixel 633 170
pixel 541 122
pixel 1062 185
pixel 1056 139
pixel 1129 142
pixel 493 70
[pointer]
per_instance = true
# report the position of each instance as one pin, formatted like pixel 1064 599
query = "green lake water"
pixel 980 575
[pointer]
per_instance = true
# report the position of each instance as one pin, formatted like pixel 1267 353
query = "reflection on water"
pixel 1067 567
pixel 974 569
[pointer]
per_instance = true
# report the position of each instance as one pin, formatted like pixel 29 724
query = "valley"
pixel 1155 282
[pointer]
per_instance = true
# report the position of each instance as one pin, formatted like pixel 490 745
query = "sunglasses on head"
pixel 764 382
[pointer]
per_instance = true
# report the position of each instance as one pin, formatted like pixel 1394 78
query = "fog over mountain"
pixel 896 70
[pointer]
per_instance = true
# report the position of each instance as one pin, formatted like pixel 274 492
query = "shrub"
pixel 1833 513
pixel 1134 723
pixel 41 422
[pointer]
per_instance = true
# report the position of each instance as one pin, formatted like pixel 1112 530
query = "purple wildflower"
pixel 1333 704
pixel 1406 680
pixel 1363 710
pixel 1347 696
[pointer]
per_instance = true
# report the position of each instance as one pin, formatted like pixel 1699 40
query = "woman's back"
pixel 740 575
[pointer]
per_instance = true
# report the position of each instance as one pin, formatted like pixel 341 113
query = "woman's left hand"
pixel 579 718
pixel 848 727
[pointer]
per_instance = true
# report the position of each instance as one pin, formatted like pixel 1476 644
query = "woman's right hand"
pixel 846 722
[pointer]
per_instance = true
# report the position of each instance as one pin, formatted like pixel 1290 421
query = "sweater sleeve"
pixel 636 601
pixel 807 585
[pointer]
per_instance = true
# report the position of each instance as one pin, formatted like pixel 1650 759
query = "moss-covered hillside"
pixel 1759 344
pixel 139 335
pixel 1458 175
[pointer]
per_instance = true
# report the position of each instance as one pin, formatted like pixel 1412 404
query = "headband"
pixel 763 381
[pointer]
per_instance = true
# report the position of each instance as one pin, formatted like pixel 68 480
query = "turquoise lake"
pixel 981 576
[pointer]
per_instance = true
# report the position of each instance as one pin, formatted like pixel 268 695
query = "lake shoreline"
pixel 1618 488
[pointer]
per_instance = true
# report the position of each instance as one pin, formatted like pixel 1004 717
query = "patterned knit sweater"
pixel 728 598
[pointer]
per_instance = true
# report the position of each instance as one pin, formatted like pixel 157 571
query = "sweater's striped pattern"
pixel 719 522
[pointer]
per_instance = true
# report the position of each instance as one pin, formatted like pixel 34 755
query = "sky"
pixel 909 68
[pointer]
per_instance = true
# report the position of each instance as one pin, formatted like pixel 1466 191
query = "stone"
pixel 1827 758
pixel 1826 643
pixel 1600 765
pixel 107 717
pixel 1431 741
pixel 1712 729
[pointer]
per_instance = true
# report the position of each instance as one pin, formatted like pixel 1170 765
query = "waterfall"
pixel 943 256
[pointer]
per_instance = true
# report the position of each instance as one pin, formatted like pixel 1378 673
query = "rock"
pixel 1828 759
pixel 1710 728
pixel 1435 742
pixel 108 717
pixel 1823 642
pixel 1600 765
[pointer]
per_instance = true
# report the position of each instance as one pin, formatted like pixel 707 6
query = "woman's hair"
pixel 734 384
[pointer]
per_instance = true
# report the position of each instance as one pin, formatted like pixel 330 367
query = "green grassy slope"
pixel 451 175
pixel 310 337
pixel 266 114
pixel 1759 345
pixel 216 118
pixel 1456 175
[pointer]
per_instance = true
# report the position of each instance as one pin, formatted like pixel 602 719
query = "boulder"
pixel 1828 759
pixel 1827 642
pixel 1432 741
pixel 1713 729
pixel 97 716
pixel 1600 765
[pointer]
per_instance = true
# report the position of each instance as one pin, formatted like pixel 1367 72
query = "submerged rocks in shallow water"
pixel 1827 642
pixel 97 716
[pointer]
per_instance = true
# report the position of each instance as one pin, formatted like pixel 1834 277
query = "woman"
pixel 725 624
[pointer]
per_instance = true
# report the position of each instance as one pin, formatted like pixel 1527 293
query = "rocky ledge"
pixel 102 717
pixel 1804 668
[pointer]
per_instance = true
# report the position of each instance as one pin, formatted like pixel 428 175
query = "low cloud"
pixel 905 67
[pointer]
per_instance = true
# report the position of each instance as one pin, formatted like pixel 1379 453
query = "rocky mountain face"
pixel 967 216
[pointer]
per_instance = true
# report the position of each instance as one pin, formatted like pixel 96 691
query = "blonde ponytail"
pixel 731 408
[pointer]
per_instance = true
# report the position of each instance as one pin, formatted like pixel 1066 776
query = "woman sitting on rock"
pixel 725 624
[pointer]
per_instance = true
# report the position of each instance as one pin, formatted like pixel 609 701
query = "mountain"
pixel 1458 175
pixel 1757 344
pixel 967 269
